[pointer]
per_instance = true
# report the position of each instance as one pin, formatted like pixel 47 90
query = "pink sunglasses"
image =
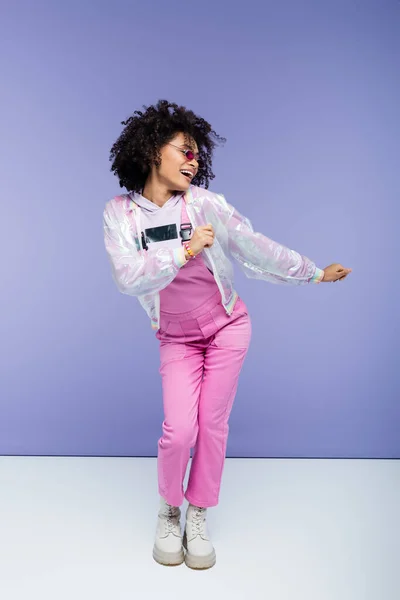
pixel 188 153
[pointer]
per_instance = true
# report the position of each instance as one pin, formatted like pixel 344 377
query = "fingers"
pixel 208 229
pixel 204 235
pixel 341 269
pixel 343 276
pixel 342 272
pixel 208 240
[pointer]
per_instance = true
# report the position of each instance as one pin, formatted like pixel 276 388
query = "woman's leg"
pixel 181 371
pixel 222 365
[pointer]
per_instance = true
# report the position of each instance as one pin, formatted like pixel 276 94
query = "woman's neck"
pixel 156 192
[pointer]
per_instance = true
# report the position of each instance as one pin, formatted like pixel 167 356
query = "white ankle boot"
pixel 200 553
pixel 167 548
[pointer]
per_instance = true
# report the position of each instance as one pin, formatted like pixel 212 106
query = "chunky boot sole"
pixel 168 559
pixel 198 562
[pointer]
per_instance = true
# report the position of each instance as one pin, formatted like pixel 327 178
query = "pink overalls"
pixel 202 351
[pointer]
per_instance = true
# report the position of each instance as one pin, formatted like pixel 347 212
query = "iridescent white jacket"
pixel 143 273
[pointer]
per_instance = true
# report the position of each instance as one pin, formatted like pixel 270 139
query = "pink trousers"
pixel 201 354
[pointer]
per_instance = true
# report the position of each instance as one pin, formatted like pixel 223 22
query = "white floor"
pixel 82 529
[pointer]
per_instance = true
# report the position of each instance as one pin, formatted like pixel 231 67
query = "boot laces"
pixel 171 519
pixel 198 520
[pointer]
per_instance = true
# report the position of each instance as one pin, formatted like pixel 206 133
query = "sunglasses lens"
pixel 189 155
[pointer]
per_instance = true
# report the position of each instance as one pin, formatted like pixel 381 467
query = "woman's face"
pixel 176 170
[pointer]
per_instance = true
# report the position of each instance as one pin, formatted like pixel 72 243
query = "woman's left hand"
pixel 335 272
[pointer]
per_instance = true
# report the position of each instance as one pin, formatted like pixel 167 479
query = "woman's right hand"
pixel 203 237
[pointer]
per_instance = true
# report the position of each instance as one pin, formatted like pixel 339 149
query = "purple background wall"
pixel 307 94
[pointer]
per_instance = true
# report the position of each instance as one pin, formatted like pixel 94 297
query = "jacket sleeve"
pixel 262 258
pixel 137 272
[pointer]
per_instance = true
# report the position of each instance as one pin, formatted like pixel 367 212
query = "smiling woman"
pixel 160 144
pixel 152 234
pixel 180 164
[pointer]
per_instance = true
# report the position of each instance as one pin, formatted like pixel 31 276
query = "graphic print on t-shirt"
pixel 161 225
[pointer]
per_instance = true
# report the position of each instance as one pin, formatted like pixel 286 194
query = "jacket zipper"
pixel 210 258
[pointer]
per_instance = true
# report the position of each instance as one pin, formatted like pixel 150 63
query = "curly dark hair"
pixel 138 146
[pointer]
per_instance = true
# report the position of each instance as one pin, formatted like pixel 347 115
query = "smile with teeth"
pixel 187 173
